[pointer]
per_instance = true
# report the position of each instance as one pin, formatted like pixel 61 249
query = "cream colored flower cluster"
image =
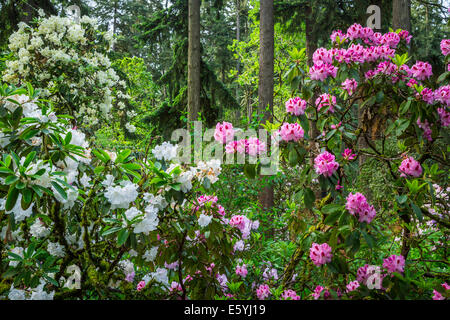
pixel 67 62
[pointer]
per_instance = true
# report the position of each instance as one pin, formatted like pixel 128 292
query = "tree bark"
pixel 265 85
pixel 401 14
pixel 194 60
pixel 238 67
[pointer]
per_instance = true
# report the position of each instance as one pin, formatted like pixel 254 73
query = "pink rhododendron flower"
pixel 320 71
pixel 421 70
pixel 357 206
pixel 224 132
pixel 255 146
pixel 325 164
pixel 242 271
pixel 437 295
pixel 411 83
pixel 317 291
pixel 130 277
pixel 445 46
pixel 336 126
pixel 320 253
pixel 289 295
pixel 338 33
pixel 140 286
pixel 175 286
pixel 361 274
pixel 354 31
pixel 427 95
pixel 394 263
pixel 425 126
pixel 291 131
pixel 350 85
pixel 444 117
pixel 442 94
pixel 410 167
pixel 322 55
pixel 404 34
pixel 445 286
pixel 295 106
pixel 352 286
pixel 391 39
pixel 348 155
pixel 324 101
pixel 263 291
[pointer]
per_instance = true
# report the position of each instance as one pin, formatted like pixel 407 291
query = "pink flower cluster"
pixel 326 100
pixel 442 95
pixel 290 295
pixel 394 263
pixel 318 290
pixel 425 126
pixel 140 286
pixel 224 132
pixel 427 95
pixel 263 291
pixel 320 71
pixel 352 286
pixel 350 86
pixel 206 200
pixel 244 224
pixel 445 47
pixel 325 164
pixel 295 106
pixel 361 274
pixel 241 271
pixel 252 146
pixel 291 131
pixel 320 253
pixel 421 70
pixel 410 167
pixel 357 206
pixel 444 116
pixel 348 155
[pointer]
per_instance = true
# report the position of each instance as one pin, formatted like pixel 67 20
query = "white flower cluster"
pixel 37 293
pixel 165 151
pixel 120 196
pixel 210 169
pixel 45 53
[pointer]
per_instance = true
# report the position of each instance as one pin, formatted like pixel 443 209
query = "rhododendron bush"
pixel 74 218
pixel 78 221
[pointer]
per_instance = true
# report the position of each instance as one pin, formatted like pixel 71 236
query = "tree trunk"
pixel 265 85
pixel 238 67
pixel 194 60
pixel 401 14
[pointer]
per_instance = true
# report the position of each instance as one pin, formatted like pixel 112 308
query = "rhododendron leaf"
pixel 122 236
pixel 369 239
pixel 27 195
pixel 443 76
pixel 28 133
pixel 99 169
pixel 11 179
pixel 110 231
pixel 401 199
pixel 404 107
pixel 60 190
pixel 309 198
pixel 417 211
pixel 11 199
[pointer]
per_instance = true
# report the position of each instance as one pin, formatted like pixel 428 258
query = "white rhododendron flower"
pixel 204 220
pixel 165 151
